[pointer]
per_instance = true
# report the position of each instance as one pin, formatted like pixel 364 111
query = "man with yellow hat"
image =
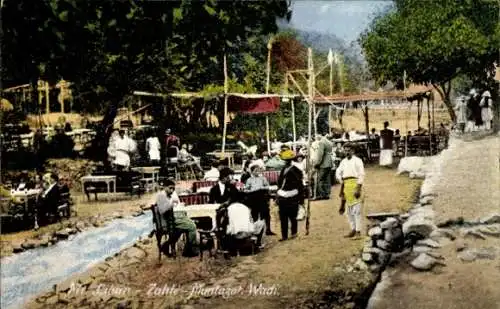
pixel 351 173
pixel 290 194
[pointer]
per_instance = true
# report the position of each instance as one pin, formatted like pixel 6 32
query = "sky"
pixel 345 19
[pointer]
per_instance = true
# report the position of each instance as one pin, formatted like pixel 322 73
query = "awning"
pixel 253 103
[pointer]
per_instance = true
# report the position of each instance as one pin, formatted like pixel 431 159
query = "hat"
pixel 287 155
pixel 486 94
pixel 472 91
pixel 225 172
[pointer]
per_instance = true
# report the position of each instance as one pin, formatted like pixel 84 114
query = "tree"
pixel 434 42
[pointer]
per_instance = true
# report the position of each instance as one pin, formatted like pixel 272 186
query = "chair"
pixel 172 160
pixel 65 202
pixel 165 226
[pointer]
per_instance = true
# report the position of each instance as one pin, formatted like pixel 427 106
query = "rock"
pixel 135 252
pixel 16 248
pixel 460 245
pixel 467 256
pixel 389 223
pixel 424 262
pixel 52 300
pixel 419 226
pixel 117 215
pixel 375 231
pixel 421 249
pixel 425 212
pixel 367 257
pixel 360 265
pixel 393 235
pixel 490 219
pixel 441 232
pixel 429 243
pixel 80 226
pixel 375 268
pixel 146 241
pixel 30 244
pixel 427 200
pixel 404 216
pixel 472 234
pixel 86 279
pixel 382 244
pixel 493 230
pixel 64 233
pixel 486 253
pixel 63 298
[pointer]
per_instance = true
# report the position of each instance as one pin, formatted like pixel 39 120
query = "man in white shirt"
pixel 351 174
pixel 165 200
pixel 212 174
pixel 123 147
pixel 240 225
pixel 153 148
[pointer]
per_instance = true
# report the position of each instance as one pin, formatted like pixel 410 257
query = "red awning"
pixel 252 103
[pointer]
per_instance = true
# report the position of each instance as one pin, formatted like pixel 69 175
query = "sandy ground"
pixel 304 266
pixel 471 191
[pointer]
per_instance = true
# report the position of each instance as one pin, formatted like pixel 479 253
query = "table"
pixel 151 183
pixel 101 178
pixel 25 196
pixel 228 154
pixel 203 211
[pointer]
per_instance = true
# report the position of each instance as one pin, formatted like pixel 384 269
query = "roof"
pixel 382 95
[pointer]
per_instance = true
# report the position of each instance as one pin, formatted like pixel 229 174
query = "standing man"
pixel 290 194
pixel 323 167
pixel 153 148
pixel 386 141
pixel 461 111
pixel 486 112
pixel 124 146
pixel 351 174
pixel 171 140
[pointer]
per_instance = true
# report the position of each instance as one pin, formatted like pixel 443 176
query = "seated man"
pixel 50 198
pixel 224 190
pixel 212 174
pixel 166 200
pixel 239 224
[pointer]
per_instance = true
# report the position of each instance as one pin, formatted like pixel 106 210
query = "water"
pixel 35 271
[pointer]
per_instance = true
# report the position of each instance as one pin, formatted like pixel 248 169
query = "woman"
pixel 290 194
pixel 257 190
pixel 486 113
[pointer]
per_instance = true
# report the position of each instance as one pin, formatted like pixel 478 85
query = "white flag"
pixel 330 57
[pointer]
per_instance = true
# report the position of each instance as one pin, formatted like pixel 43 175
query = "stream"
pixel 32 272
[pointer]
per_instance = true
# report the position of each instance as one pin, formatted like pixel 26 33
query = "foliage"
pixel 434 42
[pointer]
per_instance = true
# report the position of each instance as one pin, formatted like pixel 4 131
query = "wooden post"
pixel 268 81
pixel 429 125
pixel 226 90
pixel 294 132
pixel 309 137
pixel 408 112
pixel 47 102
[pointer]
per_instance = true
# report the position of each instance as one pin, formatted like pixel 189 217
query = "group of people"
pixel 475 112
pixel 50 189
pixel 245 214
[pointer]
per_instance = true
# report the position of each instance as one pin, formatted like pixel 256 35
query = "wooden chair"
pixel 165 226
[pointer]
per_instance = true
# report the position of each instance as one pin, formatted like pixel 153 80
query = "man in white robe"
pixel 461 112
pixel 386 147
pixel 486 111
pixel 124 146
pixel 153 148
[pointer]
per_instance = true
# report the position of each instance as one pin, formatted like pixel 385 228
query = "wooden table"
pixel 202 211
pixel 228 154
pixel 101 178
pixel 25 196
pixel 151 183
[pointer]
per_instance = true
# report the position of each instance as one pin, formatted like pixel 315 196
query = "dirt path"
pixel 290 273
pixel 470 189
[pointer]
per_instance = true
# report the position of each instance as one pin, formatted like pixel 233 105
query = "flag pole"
pixel 268 80
pixel 226 90
pixel 310 99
